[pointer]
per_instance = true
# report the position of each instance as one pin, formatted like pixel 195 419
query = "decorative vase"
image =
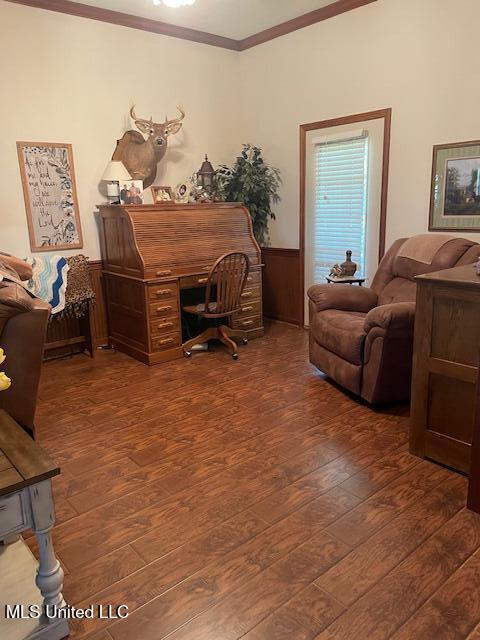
pixel 348 267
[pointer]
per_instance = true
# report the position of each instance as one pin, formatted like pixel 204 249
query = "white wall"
pixel 417 56
pixel 68 79
pixel 63 80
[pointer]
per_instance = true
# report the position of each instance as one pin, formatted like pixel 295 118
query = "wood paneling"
pixel 249 500
pixel 98 311
pixel 282 297
pixel 156 26
pixel 386 114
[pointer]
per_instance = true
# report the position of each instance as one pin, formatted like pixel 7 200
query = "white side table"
pixel 26 502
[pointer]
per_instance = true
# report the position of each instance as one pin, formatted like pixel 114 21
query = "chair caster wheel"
pixel 235 356
pixel 245 340
pixel 187 354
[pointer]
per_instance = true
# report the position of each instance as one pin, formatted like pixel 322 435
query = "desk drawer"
pixel 190 282
pixel 162 343
pixel 162 308
pixel 249 308
pixel 12 514
pixel 247 324
pixel 253 278
pixel 251 293
pixel 158 273
pixel 166 291
pixel 164 325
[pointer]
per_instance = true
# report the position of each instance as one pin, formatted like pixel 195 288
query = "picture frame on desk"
pixel 182 192
pixel 161 194
pixel 131 192
pixel 455 187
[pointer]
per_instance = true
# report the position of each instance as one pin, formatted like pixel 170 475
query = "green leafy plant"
pixel 255 183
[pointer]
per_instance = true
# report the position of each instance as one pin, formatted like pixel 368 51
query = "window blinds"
pixel 340 203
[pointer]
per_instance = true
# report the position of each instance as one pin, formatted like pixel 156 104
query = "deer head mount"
pixel 141 156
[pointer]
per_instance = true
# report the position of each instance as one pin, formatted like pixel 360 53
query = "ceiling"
pixel 235 19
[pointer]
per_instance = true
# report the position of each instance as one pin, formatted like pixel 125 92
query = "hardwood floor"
pixel 222 500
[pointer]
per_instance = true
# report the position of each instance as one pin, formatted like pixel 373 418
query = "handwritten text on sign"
pixel 48 185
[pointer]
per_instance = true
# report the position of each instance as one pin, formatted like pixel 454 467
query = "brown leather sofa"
pixel 23 324
pixel 362 337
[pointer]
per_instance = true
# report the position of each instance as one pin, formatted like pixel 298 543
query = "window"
pixel 344 178
pixel 339 202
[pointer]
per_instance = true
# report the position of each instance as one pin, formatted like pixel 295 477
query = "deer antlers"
pixel 175 120
pixel 168 122
pixel 134 117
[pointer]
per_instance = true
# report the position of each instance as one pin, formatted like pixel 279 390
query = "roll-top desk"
pixel 151 252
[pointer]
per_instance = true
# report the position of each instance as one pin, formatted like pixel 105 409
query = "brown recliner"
pixel 23 325
pixel 362 337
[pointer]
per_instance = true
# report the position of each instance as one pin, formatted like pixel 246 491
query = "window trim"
pixel 386 114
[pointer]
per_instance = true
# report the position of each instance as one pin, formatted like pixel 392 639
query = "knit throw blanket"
pixel 79 294
pixel 49 280
pixel 68 295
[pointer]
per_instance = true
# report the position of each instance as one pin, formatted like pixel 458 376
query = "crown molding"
pixel 164 28
pixel 81 10
pixel 306 20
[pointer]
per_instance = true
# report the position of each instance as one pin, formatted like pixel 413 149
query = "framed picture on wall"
pixel 50 193
pixel 455 189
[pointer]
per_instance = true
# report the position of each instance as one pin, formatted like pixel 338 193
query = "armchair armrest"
pixel 397 315
pixel 343 297
pixel 22 268
pixel 14 300
pixel 23 338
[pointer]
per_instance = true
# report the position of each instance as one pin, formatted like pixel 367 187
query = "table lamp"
pixel 115 173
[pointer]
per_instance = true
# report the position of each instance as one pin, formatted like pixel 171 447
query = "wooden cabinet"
pixel 151 253
pixel 445 366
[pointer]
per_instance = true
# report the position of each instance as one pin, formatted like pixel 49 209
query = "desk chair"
pixel 224 287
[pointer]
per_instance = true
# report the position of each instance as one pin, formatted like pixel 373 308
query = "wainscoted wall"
pixel 282 298
pixel 98 316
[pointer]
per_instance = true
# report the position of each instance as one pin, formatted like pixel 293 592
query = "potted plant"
pixel 255 183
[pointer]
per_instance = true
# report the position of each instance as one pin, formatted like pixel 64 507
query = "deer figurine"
pixel 141 156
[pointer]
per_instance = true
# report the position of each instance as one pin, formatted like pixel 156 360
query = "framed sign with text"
pixel 49 189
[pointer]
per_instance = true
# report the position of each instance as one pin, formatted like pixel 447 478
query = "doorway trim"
pixel 386 114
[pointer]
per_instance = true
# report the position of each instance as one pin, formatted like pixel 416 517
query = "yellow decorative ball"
pixel 5 381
